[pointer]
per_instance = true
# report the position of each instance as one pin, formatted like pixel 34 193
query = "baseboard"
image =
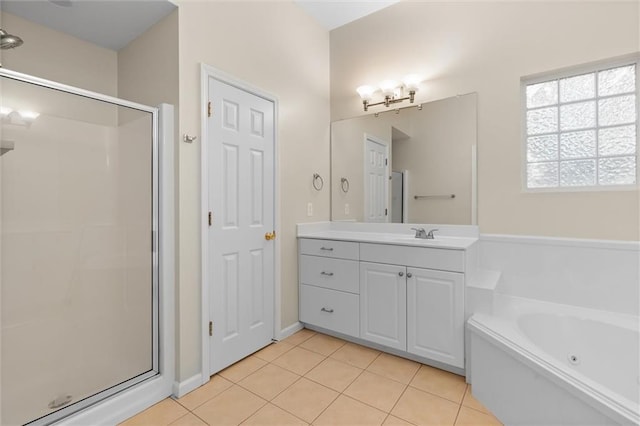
pixel 288 331
pixel 182 388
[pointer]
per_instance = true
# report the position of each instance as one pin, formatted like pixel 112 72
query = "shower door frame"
pixel 119 402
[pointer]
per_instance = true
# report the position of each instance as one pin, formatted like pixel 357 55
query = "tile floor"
pixel 312 378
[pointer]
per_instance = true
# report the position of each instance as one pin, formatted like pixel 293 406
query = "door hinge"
pixel 210 218
pixel 209 109
pixel 385 212
pixel 210 328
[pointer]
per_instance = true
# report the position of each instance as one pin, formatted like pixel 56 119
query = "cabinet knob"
pixel 409 274
pixel 401 274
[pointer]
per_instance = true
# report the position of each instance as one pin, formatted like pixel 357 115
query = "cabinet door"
pixel 383 304
pixel 435 315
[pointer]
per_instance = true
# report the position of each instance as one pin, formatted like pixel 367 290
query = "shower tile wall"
pixel 75 246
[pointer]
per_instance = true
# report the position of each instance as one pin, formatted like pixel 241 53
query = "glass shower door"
pixel 78 261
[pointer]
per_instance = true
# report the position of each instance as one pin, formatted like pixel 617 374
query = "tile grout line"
pixel 402 394
pixel 300 378
pixel 199 418
pixel 356 378
pixel 439 396
pixel 339 393
pixel 460 406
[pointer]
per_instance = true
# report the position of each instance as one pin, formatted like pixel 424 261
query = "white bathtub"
pixel 541 363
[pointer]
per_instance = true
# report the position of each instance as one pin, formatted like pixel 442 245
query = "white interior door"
pixel 241 201
pixel 376 180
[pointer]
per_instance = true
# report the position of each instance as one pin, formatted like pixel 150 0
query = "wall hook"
pixel 188 139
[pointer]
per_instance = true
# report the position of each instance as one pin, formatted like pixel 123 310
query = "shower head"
pixel 8 41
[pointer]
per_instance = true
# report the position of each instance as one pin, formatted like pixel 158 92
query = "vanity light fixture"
pixel 392 91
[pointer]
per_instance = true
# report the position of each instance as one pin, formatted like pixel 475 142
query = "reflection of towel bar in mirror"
pixel 420 197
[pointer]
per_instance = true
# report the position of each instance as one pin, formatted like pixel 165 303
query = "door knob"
pixel 270 236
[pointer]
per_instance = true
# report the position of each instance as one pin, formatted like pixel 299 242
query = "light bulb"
pixel 366 92
pixel 412 81
pixel 388 87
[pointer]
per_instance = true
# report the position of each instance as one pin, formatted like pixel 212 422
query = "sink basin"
pixel 392 238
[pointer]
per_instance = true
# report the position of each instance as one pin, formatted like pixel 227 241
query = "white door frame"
pixel 206 72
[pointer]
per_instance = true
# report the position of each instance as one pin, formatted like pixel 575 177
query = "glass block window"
pixel 581 130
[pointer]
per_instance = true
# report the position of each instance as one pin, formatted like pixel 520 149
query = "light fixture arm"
pixel 389 100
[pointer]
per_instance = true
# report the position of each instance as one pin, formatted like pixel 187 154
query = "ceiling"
pixel 107 23
pixel 113 24
pixel 335 13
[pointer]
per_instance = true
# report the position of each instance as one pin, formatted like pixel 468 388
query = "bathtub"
pixel 541 363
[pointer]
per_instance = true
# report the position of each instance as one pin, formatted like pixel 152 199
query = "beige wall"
pixel 57 56
pixel 276 47
pixel 148 73
pixel 148 66
pixel 486 47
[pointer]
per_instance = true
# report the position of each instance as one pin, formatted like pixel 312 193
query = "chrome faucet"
pixel 421 233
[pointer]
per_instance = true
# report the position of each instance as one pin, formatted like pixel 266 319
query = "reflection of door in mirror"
pixel 376 171
pixel 434 145
pixel 397 197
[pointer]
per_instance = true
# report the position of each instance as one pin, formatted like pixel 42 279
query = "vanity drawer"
pixel 330 248
pixel 418 257
pixel 336 274
pixel 330 309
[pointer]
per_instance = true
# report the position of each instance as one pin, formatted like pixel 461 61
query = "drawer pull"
pixel 328 274
pixel 326 248
pixel 329 310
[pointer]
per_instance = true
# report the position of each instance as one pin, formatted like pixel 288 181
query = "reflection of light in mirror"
pixel 18 118
pixel 29 115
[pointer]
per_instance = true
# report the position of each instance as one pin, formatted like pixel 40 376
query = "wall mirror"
pixel 410 165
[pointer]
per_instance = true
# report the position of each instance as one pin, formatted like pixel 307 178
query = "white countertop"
pixel 450 237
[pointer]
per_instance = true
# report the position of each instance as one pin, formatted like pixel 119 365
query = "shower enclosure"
pixel 79 250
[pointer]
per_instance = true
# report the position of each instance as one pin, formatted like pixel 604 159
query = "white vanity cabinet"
pixel 405 297
pixel 435 315
pixel 383 304
pixel 329 285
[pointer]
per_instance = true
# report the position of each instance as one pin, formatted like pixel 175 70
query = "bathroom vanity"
pixel 377 284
